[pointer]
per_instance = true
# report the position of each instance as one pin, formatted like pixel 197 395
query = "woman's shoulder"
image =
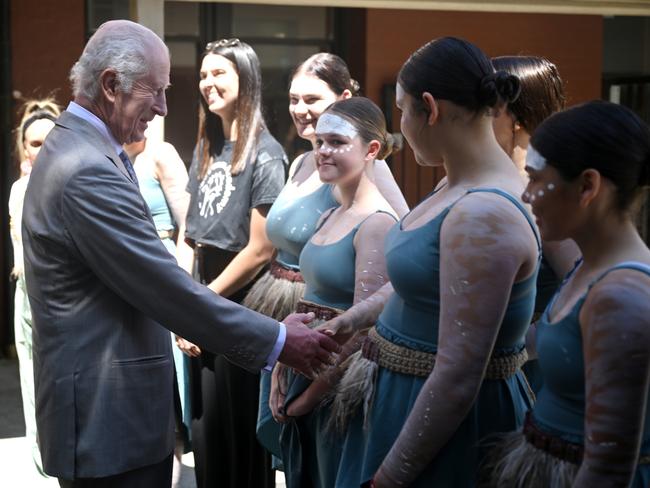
pixel 268 148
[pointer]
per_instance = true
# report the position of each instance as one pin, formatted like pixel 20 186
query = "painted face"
pixel 549 196
pixel 340 152
pixel 34 137
pixel 504 130
pixel 309 96
pixel 413 124
pixel 219 84
pixel 134 110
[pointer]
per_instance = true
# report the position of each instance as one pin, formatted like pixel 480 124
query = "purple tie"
pixel 129 167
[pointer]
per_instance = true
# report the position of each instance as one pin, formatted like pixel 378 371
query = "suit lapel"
pixel 77 124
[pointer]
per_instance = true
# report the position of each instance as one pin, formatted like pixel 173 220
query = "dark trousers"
pixel 157 475
pixel 224 407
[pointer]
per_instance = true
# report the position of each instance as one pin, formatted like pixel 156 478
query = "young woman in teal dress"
pixel 448 345
pixel 542 94
pixel 342 264
pixel 590 425
pixel 318 82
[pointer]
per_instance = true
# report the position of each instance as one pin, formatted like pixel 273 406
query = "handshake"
pixel 305 350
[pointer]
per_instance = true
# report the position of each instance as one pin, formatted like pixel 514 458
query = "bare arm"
pixel 486 245
pixel 387 185
pixel 172 174
pixel 615 328
pixel 250 260
pixel 561 255
pixel 370 275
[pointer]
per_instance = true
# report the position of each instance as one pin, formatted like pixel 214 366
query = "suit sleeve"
pixel 106 220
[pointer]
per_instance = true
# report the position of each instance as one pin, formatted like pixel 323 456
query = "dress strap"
pixel 328 213
pixel 303 156
pixel 517 203
pixel 635 265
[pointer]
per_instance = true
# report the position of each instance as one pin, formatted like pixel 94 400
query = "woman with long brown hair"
pixel 237 172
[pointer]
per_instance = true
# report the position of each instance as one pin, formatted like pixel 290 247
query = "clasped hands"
pixel 322 374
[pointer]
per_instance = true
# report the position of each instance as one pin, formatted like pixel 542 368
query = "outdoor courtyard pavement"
pixel 16 468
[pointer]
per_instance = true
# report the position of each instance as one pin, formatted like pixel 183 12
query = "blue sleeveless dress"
pixel 290 223
pixel 560 407
pixel 154 196
pixel 410 318
pixel 310 452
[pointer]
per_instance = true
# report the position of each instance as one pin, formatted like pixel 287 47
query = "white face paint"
pixel 333 124
pixel 535 160
pixel 550 186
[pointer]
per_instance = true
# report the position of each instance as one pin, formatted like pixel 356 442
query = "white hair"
pixel 123 50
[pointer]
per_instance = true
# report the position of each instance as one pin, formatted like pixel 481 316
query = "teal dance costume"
pixel 556 423
pixel 290 224
pixel 410 319
pixel 311 452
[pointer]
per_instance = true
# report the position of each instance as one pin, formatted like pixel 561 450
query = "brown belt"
pixel 320 311
pixel 558 447
pixel 405 360
pixel 280 272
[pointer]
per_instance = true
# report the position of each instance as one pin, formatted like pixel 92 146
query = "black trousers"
pixel 225 398
pixel 157 475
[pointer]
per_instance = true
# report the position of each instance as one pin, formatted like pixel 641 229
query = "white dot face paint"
pixel 540 193
pixel 535 160
pixel 550 187
pixel 333 124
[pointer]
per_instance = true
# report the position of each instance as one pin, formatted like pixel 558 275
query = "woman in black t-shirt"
pixel 237 171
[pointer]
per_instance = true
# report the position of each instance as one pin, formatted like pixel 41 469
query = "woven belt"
pixel 405 360
pixel 558 447
pixel 166 234
pixel 280 272
pixel 320 311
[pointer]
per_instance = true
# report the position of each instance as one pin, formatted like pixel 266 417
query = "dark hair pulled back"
pixel 542 90
pixel 331 69
pixel 456 70
pixel 598 135
pixel 369 121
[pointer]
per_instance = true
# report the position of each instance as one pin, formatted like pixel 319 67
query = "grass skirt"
pixel 274 297
pixel 516 463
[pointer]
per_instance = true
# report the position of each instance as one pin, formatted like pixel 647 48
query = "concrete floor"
pixel 16 467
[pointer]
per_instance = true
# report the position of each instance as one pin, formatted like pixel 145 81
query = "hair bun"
pixel 355 87
pixel 498 86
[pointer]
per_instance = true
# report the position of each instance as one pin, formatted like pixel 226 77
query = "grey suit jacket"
pixel 100 283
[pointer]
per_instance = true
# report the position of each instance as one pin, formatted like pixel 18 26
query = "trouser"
pixel 23 340
pixel 157 475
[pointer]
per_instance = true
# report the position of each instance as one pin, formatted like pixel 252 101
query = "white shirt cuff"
pixel 277 349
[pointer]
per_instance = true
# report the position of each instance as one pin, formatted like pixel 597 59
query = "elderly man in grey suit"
pixel 102 286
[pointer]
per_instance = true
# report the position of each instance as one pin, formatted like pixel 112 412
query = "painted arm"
pixel 370 274
pixel 615 328
pixel 172 174
pixel 486 245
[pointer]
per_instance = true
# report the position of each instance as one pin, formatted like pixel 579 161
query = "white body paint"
pixel 535 160
pixel 333 124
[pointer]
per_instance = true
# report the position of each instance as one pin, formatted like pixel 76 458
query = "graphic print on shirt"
pixel 215 189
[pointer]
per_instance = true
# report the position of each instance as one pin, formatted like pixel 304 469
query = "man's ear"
pixel 108 84
pixel 431 107
pixel 590 183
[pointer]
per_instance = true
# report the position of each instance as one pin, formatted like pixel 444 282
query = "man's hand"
pixel 192 350
pixel 306 350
